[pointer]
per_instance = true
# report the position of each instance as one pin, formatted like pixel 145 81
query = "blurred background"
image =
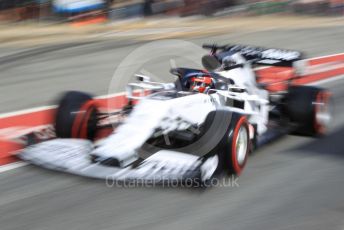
pixel 112 10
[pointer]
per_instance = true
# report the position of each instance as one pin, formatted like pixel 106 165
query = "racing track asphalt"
pixel 293 183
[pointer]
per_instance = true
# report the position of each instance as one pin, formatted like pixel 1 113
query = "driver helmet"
pixel 201 84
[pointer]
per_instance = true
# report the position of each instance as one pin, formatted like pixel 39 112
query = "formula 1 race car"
pixel 203 124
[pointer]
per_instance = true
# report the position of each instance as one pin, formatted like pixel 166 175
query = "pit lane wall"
pixel 13 126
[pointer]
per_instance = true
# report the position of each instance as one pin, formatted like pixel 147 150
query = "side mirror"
pixel 210 62
pixel 142 78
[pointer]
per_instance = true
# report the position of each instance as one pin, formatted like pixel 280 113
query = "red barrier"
pixel 325 67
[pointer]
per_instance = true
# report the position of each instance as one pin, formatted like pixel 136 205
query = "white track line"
pixel 328 80
pixel 41 108
pixel 11 166
pixel 25 111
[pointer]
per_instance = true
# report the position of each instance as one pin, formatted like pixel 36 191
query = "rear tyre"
pixel 76 116
pixel 309 108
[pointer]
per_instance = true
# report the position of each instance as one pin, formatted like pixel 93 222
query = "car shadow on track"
pixel 331 145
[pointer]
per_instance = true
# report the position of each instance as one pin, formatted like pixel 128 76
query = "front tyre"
pixel 76 116
pixel 235 144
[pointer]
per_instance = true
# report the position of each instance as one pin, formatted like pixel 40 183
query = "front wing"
pixel 73 156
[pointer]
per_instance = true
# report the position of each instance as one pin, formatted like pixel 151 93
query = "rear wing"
pixel 257 55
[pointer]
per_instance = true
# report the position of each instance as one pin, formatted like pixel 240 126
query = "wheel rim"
pixel 323 114
pixel 241 145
